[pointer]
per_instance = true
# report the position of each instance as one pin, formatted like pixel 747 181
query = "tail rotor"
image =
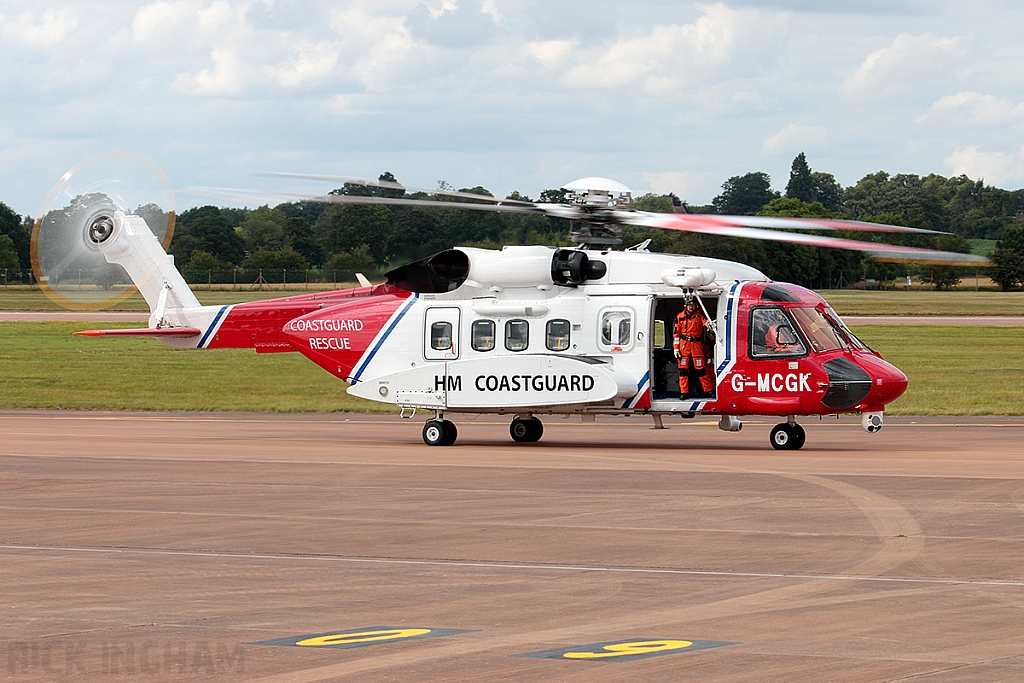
pixel 81 212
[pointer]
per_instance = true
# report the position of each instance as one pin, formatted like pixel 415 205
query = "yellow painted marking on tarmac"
pixel 363 637
pixel 628 649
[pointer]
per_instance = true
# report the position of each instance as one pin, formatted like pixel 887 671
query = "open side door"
pixel 664 367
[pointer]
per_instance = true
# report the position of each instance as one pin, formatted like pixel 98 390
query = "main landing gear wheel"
pixel 788 437
pixel 439 433
pixel 526 431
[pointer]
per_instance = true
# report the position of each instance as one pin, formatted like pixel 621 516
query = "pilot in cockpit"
pixel 779 338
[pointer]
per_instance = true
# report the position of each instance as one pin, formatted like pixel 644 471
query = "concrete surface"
pixel 158 547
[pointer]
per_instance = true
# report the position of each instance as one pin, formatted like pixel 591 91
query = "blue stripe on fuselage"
pixel 639 390
pixel 212 327
pixel 401 314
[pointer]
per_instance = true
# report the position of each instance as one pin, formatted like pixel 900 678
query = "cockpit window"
pixel 834 318
pixel 772 334
pixel 822 336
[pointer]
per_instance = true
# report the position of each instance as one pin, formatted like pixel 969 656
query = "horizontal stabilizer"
pixel 145 332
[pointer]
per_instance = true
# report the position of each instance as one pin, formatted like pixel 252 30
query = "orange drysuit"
pixel 689 344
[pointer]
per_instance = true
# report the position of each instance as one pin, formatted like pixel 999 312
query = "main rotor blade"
pixel 266 197
pixel 700 220
pixel 387 185
pixel 750 227
pixel 881 252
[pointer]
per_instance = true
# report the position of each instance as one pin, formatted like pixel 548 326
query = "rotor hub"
pixel 101 228
pixel 602 193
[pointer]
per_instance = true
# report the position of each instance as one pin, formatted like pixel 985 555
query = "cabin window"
pixel 616 328
pixel 517 335
pixel 441 333
pixel 821 335
pixel 441 336
pixel 772 334
pixel 483 335
pixel 557 335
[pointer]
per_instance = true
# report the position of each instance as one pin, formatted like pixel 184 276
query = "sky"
pixel 664 96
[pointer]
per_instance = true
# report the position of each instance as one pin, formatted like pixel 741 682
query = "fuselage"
pixel 508 332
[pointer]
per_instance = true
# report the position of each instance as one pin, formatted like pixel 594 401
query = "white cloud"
pixel 682 52
pixel 446 6
pixel 906 65
pixel 311 65
pixel 490 7
pixel 670 181
pixel 339 104
pixel 550 53
pixel 163 19
pixel 226 78
pixel 871 7
pixel 52 27
pixel 795 137
pixel 373 69
pixel 976 108
pixel 996 168
pixel 220 14
pixel 376 50
pixel 677 96
pixel 453 25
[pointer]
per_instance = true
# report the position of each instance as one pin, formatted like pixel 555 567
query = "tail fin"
pixel 127 241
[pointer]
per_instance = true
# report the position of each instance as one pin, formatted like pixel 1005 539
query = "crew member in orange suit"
pixel 688 342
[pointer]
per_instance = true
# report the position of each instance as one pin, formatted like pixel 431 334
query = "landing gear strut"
pixel 788 436
pixel 439 432
pixel 526 431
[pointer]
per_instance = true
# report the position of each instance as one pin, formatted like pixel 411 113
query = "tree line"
pixel 341 239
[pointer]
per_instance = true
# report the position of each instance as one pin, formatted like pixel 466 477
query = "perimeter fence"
pixel 237 278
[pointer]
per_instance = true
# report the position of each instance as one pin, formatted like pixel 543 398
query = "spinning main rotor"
pixel 598 207
pixel 79 210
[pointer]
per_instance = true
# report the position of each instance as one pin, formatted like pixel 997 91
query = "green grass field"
pixel 42 365
pixel 952 371
pixel 924 302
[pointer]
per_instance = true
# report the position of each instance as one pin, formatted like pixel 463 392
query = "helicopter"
pixel 530 331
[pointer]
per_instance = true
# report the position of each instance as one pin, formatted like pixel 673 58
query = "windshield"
pixel 816 328
pixel 834 318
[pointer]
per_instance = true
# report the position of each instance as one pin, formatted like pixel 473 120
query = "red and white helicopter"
pixel 534 330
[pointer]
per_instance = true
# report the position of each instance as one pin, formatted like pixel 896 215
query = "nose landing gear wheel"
pixel 439 433
pixel 787 437
pixel 526 431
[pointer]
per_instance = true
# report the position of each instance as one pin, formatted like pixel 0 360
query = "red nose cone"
pixel 888 381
